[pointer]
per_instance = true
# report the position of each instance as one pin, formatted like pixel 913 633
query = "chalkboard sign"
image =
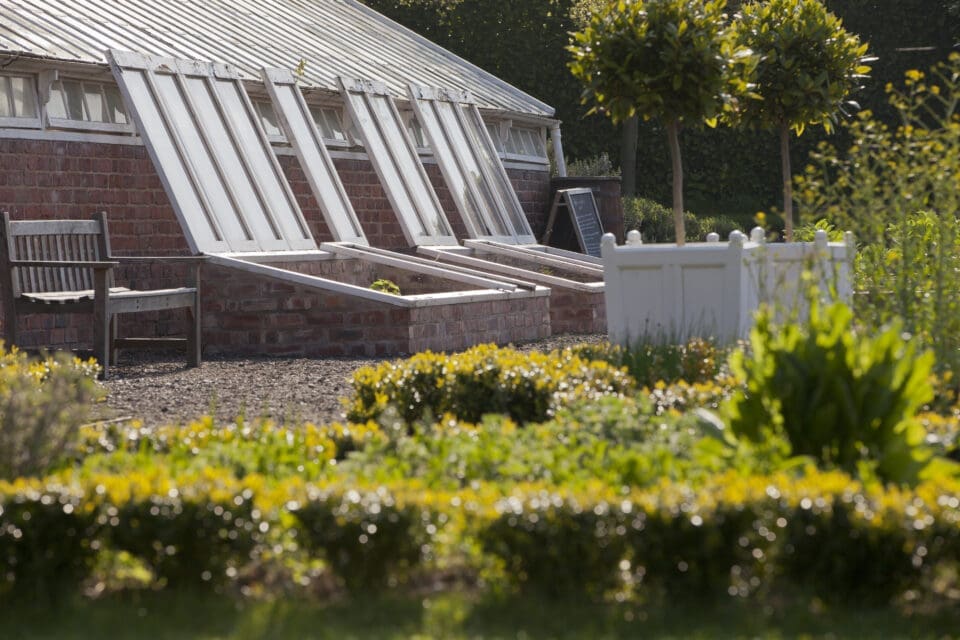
pixel 586 220
pixel 582 209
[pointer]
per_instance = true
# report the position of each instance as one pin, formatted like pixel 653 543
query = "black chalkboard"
pixel 586 220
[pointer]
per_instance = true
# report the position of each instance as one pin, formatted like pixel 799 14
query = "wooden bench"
pixel 65 266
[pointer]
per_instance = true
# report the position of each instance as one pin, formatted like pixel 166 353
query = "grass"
pixel 184 616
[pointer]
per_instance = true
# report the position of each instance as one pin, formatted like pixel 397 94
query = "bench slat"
pixel 54 227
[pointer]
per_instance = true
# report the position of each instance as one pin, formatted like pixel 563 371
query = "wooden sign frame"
pixel 584 216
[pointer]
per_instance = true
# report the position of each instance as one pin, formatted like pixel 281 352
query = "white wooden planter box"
pixel 662 292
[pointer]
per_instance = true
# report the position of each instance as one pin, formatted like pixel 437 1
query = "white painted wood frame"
pixel 394 157
pixel 470 164
pixel 663 292
pixel 294 118
pixel 212 154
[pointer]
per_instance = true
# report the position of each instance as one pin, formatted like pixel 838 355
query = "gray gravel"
pixel 158 389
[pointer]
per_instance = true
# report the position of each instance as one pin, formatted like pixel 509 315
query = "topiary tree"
pixel 808 66
pixel 666 59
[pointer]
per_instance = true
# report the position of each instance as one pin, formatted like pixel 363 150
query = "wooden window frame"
pixel 6 93
pixel 56 122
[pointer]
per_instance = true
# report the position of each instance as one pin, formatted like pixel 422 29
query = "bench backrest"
pixel 57 240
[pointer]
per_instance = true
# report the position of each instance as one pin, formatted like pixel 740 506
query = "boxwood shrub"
pixel 528 387
pixel 368 537
pixel 48 539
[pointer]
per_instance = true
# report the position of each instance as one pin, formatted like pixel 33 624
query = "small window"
pixel 268 118
pixel 329 123
pixel 493 128
pixel 18 102
pixel 416 133
pixel 88 105
pixel 526 142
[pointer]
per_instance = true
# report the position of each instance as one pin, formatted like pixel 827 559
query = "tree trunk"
pixel 628 157
pixel 787 181
pixel 673 136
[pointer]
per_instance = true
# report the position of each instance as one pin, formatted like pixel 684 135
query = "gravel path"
pixel 158 389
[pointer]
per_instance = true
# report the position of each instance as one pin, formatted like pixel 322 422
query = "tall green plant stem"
pixel 673 136
pixel 787 180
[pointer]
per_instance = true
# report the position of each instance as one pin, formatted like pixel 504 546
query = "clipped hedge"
pixel 824 533
pixel 47 539
pixel 528 387
pixel 188 531
pixel 731 536
pixel 368 537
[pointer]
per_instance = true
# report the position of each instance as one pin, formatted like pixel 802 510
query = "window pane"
pixel 416 132
pixel 334 124
pixel 268 119
pixel 56 107
pixel 513 143
pixel 116 112
pixel 73 95
pixel 94 101
pixel 529 142
pixel 24 99
pixel 18 98
pixel 6 98
pixel 493 129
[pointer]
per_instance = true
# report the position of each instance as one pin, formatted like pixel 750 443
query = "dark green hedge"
pixel 726 172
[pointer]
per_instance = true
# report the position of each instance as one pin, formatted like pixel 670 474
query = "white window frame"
pixel 83 125
pixel 396 160
pixel 471 165
pixel 207 142
pixel 296 120
pixel 17 122
pixel 502 132
pixel 326 111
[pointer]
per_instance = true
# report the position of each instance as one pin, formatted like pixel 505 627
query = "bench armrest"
pixel 96 265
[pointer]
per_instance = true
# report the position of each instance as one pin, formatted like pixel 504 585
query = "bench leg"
pixel 9 326
pixel 101 322
pixel 194 347
pixel 112 338
pixel 194 344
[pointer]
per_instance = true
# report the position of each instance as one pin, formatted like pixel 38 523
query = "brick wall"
pixel 56 179
pixel 255 314
pixel 577 311
pixel 46 179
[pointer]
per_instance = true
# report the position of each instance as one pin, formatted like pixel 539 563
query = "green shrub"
pixel 655 222
pixel 42 404
pixel 368 538
pixel 734 536
pixel 704 542
pixel 47 540
pixel 188 538
pixel 845 549
pixel 528 387
pixel 896 188
pixel 597 166
pixel 847 400
pixel 386 286
pixel 650 363
pixel 556 545
pixel 261 447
